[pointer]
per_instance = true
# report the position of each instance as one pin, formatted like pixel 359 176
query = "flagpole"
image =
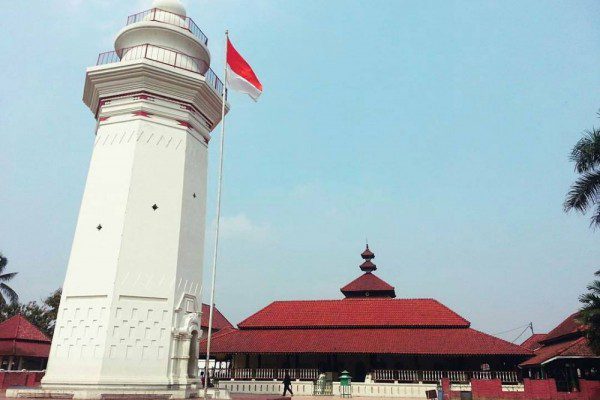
pixel 218 220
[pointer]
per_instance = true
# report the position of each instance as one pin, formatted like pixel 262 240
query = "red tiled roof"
pixel 21 338
pixel 371 313
pixel 219 320
pixel 368 282
pixel 569 326
pixel 18 327
pixel 449 341
pixel 578 347
pixel 534 341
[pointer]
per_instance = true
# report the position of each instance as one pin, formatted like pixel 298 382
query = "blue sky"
pixel 440 130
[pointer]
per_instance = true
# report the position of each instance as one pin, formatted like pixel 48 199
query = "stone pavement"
pixel 235 396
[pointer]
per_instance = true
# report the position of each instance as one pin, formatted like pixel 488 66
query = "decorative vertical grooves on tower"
pixel 128 321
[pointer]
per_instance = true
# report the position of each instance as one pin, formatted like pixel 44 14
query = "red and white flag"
pixel 240 75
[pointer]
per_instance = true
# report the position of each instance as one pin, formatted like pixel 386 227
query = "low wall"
pixel 20 378
pixel 359 389
pixel 265 387
pixel 530 390
pixel 491 389
pixel 413 390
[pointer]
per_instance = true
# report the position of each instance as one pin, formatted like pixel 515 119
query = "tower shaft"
pixel 128 321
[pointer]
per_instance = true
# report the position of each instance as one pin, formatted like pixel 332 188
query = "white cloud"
pixel 241 227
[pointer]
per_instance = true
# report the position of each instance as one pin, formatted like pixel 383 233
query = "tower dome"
pixel 172 6
pixel 165 34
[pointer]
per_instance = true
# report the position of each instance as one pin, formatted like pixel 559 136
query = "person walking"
pixel 287 384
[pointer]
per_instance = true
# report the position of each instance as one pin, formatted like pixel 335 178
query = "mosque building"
pixel 563 354
pixel 370 333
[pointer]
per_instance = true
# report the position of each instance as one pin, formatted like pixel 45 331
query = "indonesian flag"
pixel 240 76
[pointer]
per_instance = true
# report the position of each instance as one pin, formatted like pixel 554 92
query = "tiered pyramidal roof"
pixel 369 320
pixel 19 337
pixel 368 284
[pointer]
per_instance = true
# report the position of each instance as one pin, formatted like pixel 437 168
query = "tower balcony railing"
pixel 163 56
pixel 158 15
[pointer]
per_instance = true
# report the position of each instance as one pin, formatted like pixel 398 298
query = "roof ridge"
pixel 533 340
pixel 365 299
pixel 342 327
pixel 502 340
pixel 563 329
pixel 452 311
pixel 224 331
pixel 262 309
pixel 219 318
pixel 568 345
pixel 19 325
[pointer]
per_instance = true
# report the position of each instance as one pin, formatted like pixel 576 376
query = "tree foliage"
pixel 590 313
pixel 41 315
pixel 6 292
pixel 53 302
pixel 585 192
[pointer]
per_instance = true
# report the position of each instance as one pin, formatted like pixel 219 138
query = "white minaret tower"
pixel 129 314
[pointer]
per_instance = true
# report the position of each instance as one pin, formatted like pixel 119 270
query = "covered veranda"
pixel 365 367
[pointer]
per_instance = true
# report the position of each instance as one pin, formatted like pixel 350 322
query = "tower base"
pixel 113 392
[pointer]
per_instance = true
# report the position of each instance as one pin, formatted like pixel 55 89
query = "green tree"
pixel 41 315
pixel 6 292
pixel 585 192
pixel 589 314
pixel 52 303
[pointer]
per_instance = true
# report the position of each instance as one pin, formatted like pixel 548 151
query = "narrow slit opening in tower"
pixel 193 356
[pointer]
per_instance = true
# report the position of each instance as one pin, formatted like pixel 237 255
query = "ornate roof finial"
pixel 368 284
pixel 368 255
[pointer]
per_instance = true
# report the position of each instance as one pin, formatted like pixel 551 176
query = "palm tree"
pixel 5 290
pixel 589 314
pixel 585 192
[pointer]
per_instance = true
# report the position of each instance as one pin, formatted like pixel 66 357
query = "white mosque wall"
pixel 304 388
pixel 358 389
